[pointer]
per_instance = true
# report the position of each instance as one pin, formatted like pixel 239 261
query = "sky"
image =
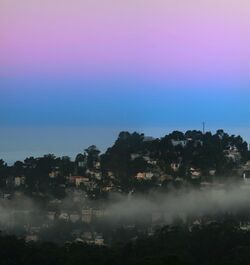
pixel 76 72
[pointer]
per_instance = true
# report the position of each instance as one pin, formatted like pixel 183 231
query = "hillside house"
pixel 78 180
pixel 182 143
pixel 144 175
pixel 246 176
pixel 195 173
pixel 18 181
pixel 51 216
pixel 175 166
pixel 74 217
pixel 87 215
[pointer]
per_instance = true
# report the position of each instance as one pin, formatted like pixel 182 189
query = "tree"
pixel 177 135
pixel 66 166
pixel 92 156
pixel 2 164
pixel 19 168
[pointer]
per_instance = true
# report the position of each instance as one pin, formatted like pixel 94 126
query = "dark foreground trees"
pixel 214 244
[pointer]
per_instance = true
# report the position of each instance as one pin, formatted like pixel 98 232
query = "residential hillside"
pixel 138 185
pixel 134 163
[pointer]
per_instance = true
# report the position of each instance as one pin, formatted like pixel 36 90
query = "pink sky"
pixel 161 38
pixel 119 64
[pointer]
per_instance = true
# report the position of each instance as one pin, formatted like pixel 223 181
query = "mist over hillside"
pixel 189 206
pixel 137 186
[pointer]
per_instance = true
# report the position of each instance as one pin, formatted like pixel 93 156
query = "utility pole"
pixel 203 127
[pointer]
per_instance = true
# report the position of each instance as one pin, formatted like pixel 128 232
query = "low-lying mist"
pixel 183 203
pixel 153 208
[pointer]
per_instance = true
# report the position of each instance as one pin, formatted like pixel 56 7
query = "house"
pixel 81 160
pixel 182 143
pixel 87 215
pixel 247 165
pixel 246 176
pixel 81 164
pixel 74 217
pixel 94 173
pixel 98 175
pixel 197 222
pixel 164 177
pixel 212 172
pixel 35 229
pixel 10 181
pixel 179 179
pixel 152 162
pixel 98 239
pixel 140 176
pixel 149 175
pixel 198 143
pixel 150 231
pixel 148 139
pixel 233 154
pixel 133 156
pixel 64 216
pixel 109 188
pixel 81 180
pixel 175 166
pixel 111 174
pixel 195 173
pixel 30 238
pixel 53 174
pixel 55 202
pixel 99 213
pixel 78 195
pixel 97 165
pixel 51 215
pixel 18 181
pixel 79 240
pixel 244 226
pixel 87 235
pixel 149 160
pixel 78 180
pixel 18 194
pixel 146 158
pixel 6 196
pixel 144 175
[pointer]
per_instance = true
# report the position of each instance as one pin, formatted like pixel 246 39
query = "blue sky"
pixel 63 116
pixel 74 73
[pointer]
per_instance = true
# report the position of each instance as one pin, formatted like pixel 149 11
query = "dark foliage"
pixel 214 244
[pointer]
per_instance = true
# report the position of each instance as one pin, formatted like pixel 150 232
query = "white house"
pixel 18 181
pixel 64 216
pixel 182 143
pixel 134 156
pixel 195 173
